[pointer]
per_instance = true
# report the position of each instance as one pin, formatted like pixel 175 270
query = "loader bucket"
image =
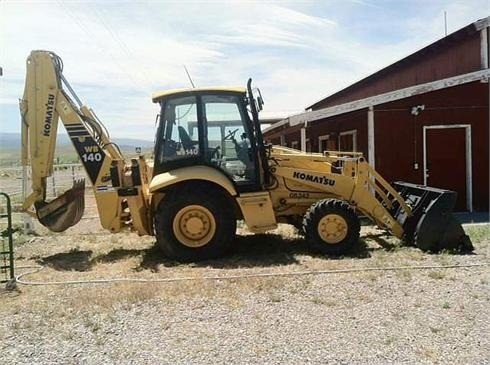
pixel 64 211
pixel 432 227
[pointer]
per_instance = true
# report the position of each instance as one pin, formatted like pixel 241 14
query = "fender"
pixel 206 173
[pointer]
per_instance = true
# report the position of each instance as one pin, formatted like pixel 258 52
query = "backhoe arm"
pixel 44 102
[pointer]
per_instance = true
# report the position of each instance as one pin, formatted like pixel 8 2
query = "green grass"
pixel 437 275
pixel 478 234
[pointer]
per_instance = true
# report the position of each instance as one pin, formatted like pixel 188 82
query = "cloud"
pixel 279 27
pixel 117 53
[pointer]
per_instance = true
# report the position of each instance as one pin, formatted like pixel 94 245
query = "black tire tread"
pixel 210 197
pixel 331 206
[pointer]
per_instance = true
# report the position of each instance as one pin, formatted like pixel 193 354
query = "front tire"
pixel 195 225
pixel 331 227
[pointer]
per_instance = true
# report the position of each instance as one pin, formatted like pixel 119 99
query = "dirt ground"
pixel 90 297
pixel 271 300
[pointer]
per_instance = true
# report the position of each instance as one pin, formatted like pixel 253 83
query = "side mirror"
pixel 260 100
pixel 260 103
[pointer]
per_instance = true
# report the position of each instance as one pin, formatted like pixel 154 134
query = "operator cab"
pixel 210 127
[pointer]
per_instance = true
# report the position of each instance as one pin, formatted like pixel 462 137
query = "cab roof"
pixel 156 96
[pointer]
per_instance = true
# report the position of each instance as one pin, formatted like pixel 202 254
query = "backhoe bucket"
pixel 64 211
pixel 432 227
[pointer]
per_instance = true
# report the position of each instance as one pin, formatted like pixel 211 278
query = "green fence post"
pixel 10 251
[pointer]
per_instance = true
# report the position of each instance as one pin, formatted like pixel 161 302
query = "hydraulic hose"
pixel 35 269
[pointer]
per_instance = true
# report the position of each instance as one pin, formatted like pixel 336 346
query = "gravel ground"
pixel 367 317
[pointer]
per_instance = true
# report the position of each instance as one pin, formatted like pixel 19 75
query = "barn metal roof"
pixel 310 116
pixel 469 29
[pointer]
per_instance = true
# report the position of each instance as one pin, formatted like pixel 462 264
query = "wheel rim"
pixel 194 226
pixel 332 228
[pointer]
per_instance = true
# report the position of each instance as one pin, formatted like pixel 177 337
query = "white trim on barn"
pixel 353 133
pixel 322 138
pixel 303 138
pixel 468 158
pixel 484 47
pixel 482 23
pixel 370 132
pixel 381 99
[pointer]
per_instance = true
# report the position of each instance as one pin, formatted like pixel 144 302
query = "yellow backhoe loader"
pixel 212 168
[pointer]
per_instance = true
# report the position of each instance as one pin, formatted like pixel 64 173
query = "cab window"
pixel 227 136
pixel 178 141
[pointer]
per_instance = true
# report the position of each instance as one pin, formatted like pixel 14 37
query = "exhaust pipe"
pixel 432 225
pixel 64 211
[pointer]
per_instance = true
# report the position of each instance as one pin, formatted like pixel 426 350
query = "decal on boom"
pixel 91 155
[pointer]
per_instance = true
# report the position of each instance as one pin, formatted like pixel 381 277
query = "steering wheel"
pixel 231 134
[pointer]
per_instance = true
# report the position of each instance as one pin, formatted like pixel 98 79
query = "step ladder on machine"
pixel 7 249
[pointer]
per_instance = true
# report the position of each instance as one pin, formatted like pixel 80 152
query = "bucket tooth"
pixel 64 211
pixel 432 225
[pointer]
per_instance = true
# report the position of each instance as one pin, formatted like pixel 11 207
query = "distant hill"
pixel 12 141
pixel 10 144
pixel 9 140
pixel 132 143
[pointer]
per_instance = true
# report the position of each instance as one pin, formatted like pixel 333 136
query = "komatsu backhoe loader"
pixel 202 180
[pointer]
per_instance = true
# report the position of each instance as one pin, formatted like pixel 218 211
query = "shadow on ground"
pixel 259 250
pixel 248 251
pixel 263 250
pixel 383 241
pixel 73 260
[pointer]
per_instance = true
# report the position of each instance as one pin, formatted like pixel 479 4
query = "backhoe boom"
pixel 44 102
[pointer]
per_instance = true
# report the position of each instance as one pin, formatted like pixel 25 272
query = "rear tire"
pixel 194 224
pixel 331 227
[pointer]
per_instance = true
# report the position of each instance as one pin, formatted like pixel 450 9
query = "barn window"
pixel 347 141
pixel 295 145
pixel 327 142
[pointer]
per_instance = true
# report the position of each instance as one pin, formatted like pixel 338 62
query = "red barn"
pixel 423 119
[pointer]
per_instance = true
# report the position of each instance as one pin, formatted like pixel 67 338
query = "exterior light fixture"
pixel 417 109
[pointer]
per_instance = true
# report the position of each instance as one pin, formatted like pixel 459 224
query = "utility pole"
pixel 445 23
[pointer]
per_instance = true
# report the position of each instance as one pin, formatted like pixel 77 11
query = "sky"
pixel 117 53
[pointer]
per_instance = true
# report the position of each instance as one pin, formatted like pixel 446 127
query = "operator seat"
pixel 187 142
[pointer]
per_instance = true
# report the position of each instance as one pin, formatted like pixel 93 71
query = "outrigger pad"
pixel 432 227
pixel 64 211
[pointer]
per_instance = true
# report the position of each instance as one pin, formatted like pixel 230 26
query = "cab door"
pixel 228 139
